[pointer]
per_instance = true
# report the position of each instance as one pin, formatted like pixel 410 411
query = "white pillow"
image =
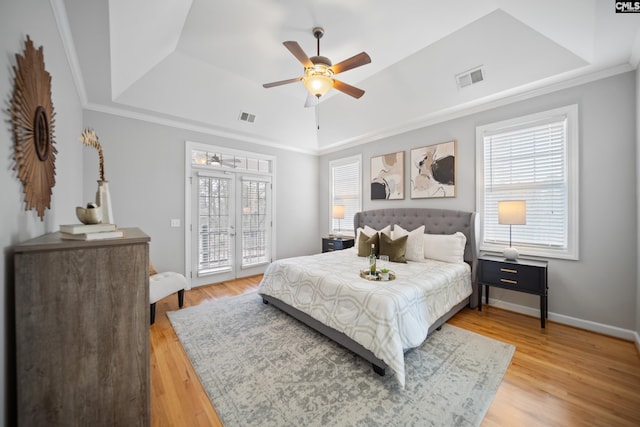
pixel 369 231
pixel 445 247
pixel 415 246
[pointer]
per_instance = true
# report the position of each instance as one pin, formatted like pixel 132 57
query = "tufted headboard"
pixel 435 221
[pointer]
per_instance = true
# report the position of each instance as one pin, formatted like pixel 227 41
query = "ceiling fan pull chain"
pixel 318 116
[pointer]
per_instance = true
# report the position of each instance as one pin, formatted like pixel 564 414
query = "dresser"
pixel 522 275
pixel 82 331
pixel 330 244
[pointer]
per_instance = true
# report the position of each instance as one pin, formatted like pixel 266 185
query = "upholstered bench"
pixel 162 285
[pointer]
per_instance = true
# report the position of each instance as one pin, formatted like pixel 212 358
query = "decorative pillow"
pixel 365 242
pixel 445 247
pixel 386 230
pixel 415 246
pixel 370 231
pixel 395 249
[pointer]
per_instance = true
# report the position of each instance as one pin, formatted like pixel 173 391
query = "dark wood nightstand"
pixel 330 244
pixel 522 275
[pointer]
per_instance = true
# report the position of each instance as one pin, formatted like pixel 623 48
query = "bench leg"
pixel 180 298
pixel 153 313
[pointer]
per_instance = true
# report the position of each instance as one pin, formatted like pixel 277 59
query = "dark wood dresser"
pixel 82 331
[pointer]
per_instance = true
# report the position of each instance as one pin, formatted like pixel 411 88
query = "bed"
pixel 380 321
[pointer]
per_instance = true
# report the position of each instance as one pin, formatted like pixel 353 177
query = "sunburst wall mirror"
pixel 32 119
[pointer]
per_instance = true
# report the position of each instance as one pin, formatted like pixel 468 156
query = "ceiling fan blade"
pixel 348 89
pixel 297 51
pixel 355 61
pixel 311 101
pixel 281 82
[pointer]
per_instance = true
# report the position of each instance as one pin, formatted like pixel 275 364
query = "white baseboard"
pixel 614 331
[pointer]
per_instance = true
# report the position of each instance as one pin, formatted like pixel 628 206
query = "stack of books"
pixel 90 231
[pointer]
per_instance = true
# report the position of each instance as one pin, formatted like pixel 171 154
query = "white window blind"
pixel 529 159
pixel 345 189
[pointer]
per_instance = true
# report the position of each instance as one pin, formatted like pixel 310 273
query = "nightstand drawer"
pixel 330 244
pixel 522 277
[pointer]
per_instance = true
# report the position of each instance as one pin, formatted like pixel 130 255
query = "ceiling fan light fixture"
pixel 319 71
pixel 318 80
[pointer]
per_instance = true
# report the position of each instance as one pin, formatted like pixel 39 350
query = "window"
pixel 532 158
pixel 344 190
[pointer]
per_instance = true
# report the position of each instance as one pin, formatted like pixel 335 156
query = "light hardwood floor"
pixel 559 376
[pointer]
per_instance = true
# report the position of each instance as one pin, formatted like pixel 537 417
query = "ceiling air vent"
pixel 475 75
pixel 247 117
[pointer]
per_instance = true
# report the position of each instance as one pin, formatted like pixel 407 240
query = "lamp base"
pixel 510 253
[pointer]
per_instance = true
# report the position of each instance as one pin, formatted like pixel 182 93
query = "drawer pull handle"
pixel 511 282
pixel 509 270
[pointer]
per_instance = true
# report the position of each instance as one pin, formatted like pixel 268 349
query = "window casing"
pixel 345 189
pixel 532 158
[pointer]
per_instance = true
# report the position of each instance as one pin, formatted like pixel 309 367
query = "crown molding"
pixel 179 124
pixel 532 90
pixel 64 29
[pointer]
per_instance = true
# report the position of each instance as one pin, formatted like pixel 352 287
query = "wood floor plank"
pixel 559 376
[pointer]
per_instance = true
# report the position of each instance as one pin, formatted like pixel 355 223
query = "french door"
pixel 231 227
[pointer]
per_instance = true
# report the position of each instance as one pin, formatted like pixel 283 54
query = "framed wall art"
pixel 387 177
pixel 433 171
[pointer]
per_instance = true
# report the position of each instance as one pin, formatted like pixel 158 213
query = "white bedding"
pixel 386 318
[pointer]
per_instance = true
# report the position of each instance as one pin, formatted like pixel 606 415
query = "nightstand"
pixel 522 275
pixel 330 244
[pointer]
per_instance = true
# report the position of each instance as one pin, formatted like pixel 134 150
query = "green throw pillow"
pixel 365 242
pixel 395 249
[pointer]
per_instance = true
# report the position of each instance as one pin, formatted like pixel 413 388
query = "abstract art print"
pixel 387 177
pixel 433 171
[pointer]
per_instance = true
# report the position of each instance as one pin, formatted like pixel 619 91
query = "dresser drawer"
pixel 521 277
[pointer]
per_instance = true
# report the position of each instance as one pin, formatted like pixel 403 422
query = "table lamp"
pixel 512 212
pixel 338 213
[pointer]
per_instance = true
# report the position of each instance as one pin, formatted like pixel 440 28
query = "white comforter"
pixel 384 317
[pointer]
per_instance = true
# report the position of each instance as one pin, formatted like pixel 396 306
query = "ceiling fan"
pixel 318 71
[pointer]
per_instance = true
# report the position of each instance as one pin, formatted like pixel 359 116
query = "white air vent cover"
pixel 475 75
pixel 247 117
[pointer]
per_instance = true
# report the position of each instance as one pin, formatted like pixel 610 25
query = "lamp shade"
pixel 318 84
pixel 318 79
pixel 338 212
pixel 512 212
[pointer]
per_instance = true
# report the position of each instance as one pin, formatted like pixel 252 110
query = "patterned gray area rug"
pixel 260 367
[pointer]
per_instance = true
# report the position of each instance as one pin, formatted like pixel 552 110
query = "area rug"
pixel 261 367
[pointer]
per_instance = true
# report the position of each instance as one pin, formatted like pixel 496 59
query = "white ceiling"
pixel 200 63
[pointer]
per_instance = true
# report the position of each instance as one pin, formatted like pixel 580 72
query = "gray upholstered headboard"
pixel 435 221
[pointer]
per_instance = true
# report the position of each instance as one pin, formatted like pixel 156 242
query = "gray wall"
pixel 17 20
pixel 600 287
pixel 144 164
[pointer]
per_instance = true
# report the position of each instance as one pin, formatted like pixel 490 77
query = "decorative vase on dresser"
pixel 82 331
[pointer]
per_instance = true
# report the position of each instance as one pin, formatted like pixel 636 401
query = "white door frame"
pixel 189 168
